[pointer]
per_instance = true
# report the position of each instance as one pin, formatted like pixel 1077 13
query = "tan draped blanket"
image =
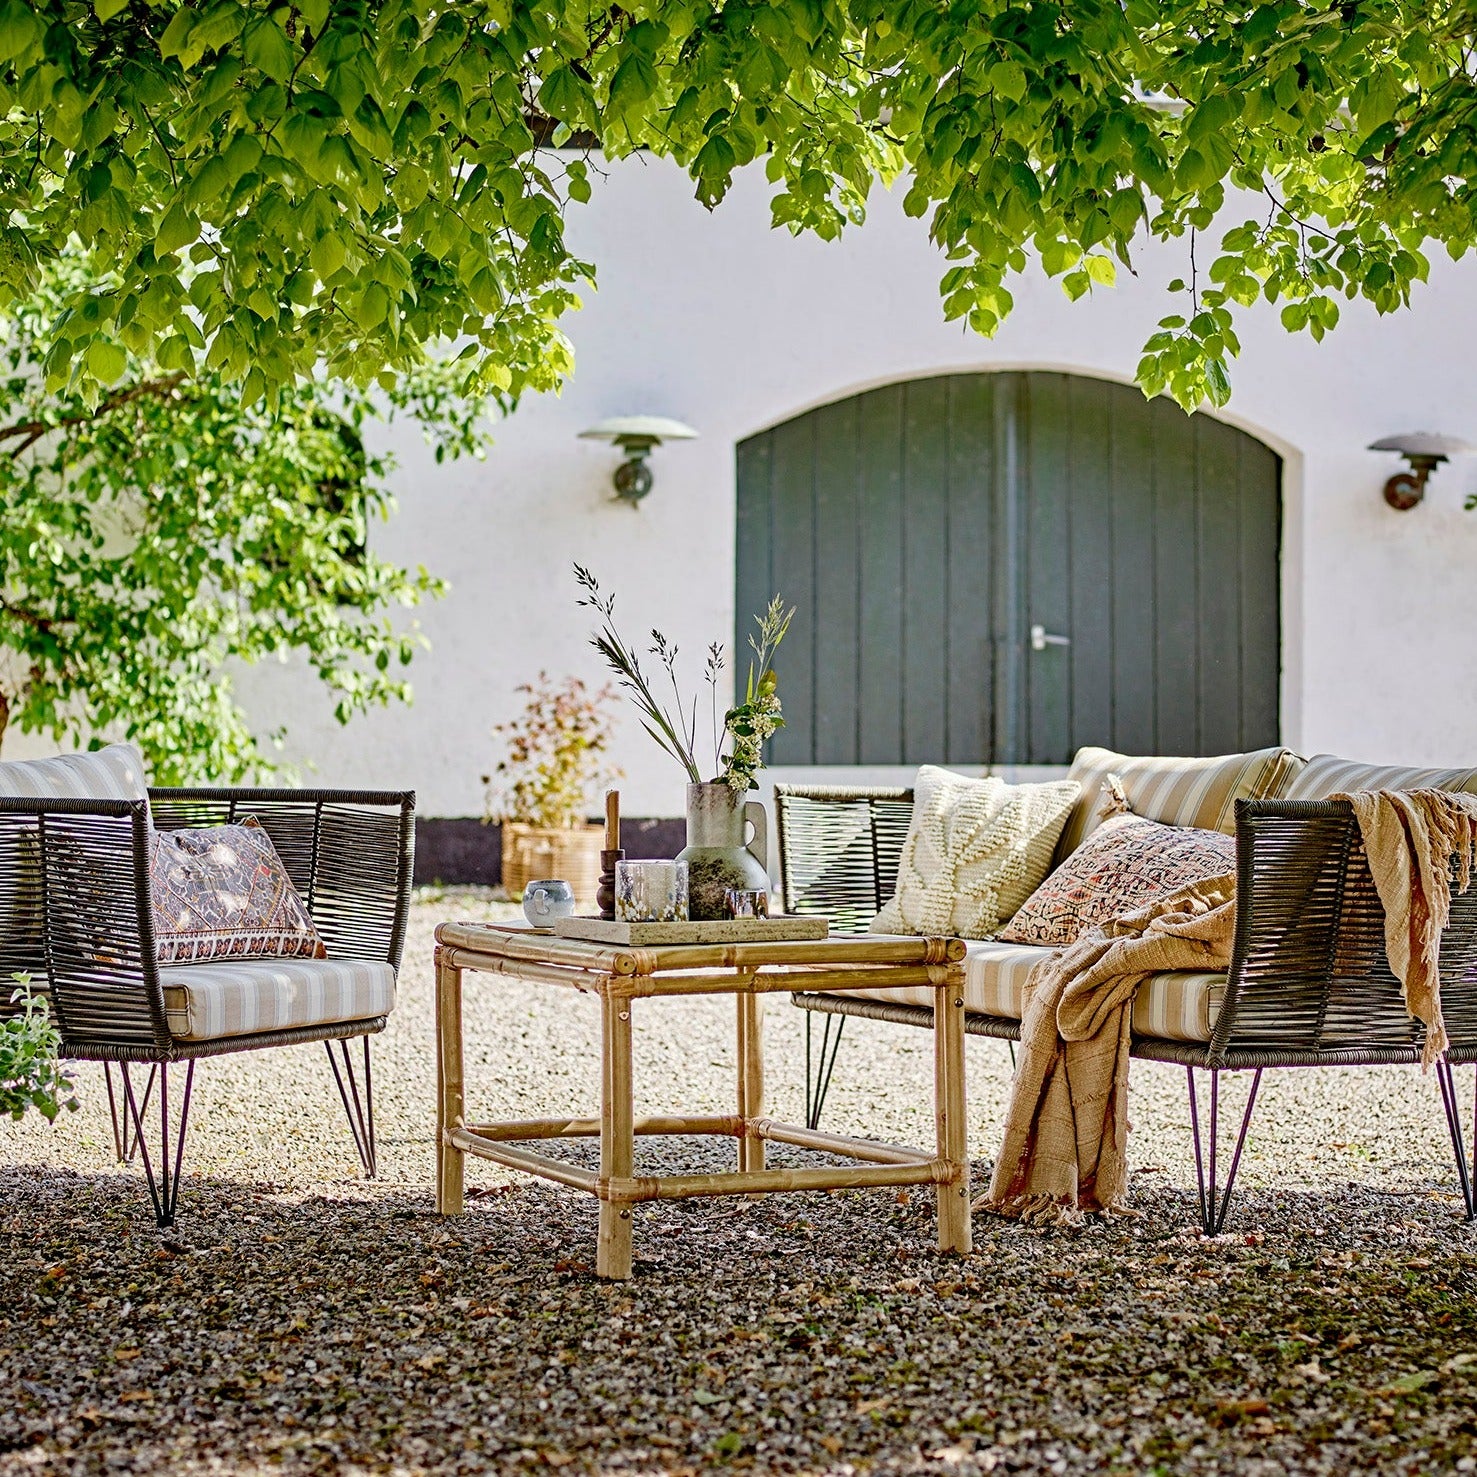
pixel 1411 837
pixel 1066 1129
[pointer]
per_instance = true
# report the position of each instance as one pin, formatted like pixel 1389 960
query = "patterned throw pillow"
pixel 975 851
pixel 222 892
pixel 1125 864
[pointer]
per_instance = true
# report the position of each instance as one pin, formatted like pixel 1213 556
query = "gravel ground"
pixel 301 1320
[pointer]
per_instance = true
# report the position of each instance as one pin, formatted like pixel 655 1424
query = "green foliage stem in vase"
pixel 556 755
pixel 674 724
pixel 30 1074
pixel 749 723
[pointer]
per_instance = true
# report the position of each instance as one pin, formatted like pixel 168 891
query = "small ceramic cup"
pixel 545 901
pixel 651 892
pixel 742 903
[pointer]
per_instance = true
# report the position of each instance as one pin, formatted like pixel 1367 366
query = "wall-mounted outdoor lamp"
pixel 636 435
pixel 1425 452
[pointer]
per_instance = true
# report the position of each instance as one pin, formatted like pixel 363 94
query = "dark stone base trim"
pixel 465 851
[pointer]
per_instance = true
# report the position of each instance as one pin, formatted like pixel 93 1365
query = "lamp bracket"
pixel 633 477
pixel 1405 489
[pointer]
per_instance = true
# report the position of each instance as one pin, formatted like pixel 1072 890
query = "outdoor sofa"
pixel 1308 984
pixel 77 916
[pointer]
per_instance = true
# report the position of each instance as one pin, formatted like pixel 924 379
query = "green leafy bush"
pixel 30 1074
pixel 156 540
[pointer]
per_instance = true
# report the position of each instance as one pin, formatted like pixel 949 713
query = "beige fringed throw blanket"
pixel 1066 1129
pixel 1411 837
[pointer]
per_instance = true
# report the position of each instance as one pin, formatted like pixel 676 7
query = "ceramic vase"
pixel 718 855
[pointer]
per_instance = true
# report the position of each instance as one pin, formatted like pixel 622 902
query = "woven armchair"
pixel 76 914
pixel 1308 984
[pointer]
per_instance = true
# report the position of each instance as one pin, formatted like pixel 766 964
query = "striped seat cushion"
pixel 113 773
pixel 208 1001
pixel 1176 792
pixel 1326 774
pixel 1173 1007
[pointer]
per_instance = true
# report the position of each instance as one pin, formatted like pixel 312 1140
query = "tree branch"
pixel 43 623
pixel 30 432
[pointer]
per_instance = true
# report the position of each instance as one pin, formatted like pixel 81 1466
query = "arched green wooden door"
pixel 925 528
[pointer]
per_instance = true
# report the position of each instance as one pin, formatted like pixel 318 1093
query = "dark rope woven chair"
pixel 76 915
pixel 1308 984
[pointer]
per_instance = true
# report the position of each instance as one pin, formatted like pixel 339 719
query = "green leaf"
pixel 106 360
pixel 635 80
pixel 327 256
pixel 178 228
pixel 107 9
pixel 1008 78
pixel 268 49
pixel 1408 1384
pixel 562 95
pixel 176 33
pixel 242 155
pixel 19 29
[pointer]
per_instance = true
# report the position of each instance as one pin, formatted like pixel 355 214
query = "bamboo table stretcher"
pixel 619 976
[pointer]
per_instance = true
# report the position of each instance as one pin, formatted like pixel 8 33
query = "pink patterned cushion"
pixel 1125 864
pixel 222 892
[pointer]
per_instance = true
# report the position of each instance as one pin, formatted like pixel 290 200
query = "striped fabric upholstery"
pixel 1176 792
pixel 207 1001
pixel 1326 775
pixel 1173 1007
pixel 114 773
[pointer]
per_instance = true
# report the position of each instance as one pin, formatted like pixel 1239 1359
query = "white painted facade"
pixel 722 322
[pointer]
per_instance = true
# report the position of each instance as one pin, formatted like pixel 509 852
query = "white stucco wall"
pixel 721 322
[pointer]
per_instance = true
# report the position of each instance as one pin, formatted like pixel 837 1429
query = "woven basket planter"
pixel 531 853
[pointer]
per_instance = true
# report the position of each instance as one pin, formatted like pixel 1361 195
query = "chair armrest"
pixel 1309 973
pixel 76 911
pixel 349 853
pixel 839 850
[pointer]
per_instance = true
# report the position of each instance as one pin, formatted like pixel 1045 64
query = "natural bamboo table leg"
pixel 949 1116
pixel 750 1077
pixel 617 1134
pixel 619 977
pixel 451 1161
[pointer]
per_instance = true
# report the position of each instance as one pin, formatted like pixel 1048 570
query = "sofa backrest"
pixel 113 773
pixel 1176 792
pixel 1326 774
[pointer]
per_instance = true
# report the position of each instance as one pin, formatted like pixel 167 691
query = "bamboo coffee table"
pixel 621 975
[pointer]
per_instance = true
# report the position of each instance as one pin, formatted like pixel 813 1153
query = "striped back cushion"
pixel 1326 774
pixel 114 773
pixel 1175 792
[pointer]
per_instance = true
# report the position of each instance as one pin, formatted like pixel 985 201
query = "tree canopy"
pixel 270 189
pixel 152 543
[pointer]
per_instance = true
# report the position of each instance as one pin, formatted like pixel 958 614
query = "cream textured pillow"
pixel 975 851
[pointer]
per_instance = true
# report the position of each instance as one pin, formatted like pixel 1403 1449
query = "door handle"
pixel 1041 638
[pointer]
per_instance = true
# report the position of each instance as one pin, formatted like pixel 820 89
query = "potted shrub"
pixel 544 787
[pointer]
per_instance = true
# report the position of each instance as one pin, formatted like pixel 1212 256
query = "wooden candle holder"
pixel 605 894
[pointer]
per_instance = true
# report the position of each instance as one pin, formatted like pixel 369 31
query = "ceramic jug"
pixel 718 856
pixel 546 900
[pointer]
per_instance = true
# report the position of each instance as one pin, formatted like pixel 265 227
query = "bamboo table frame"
pixel 621 975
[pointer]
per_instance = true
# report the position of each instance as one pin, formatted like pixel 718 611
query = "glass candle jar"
pixel 651 892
